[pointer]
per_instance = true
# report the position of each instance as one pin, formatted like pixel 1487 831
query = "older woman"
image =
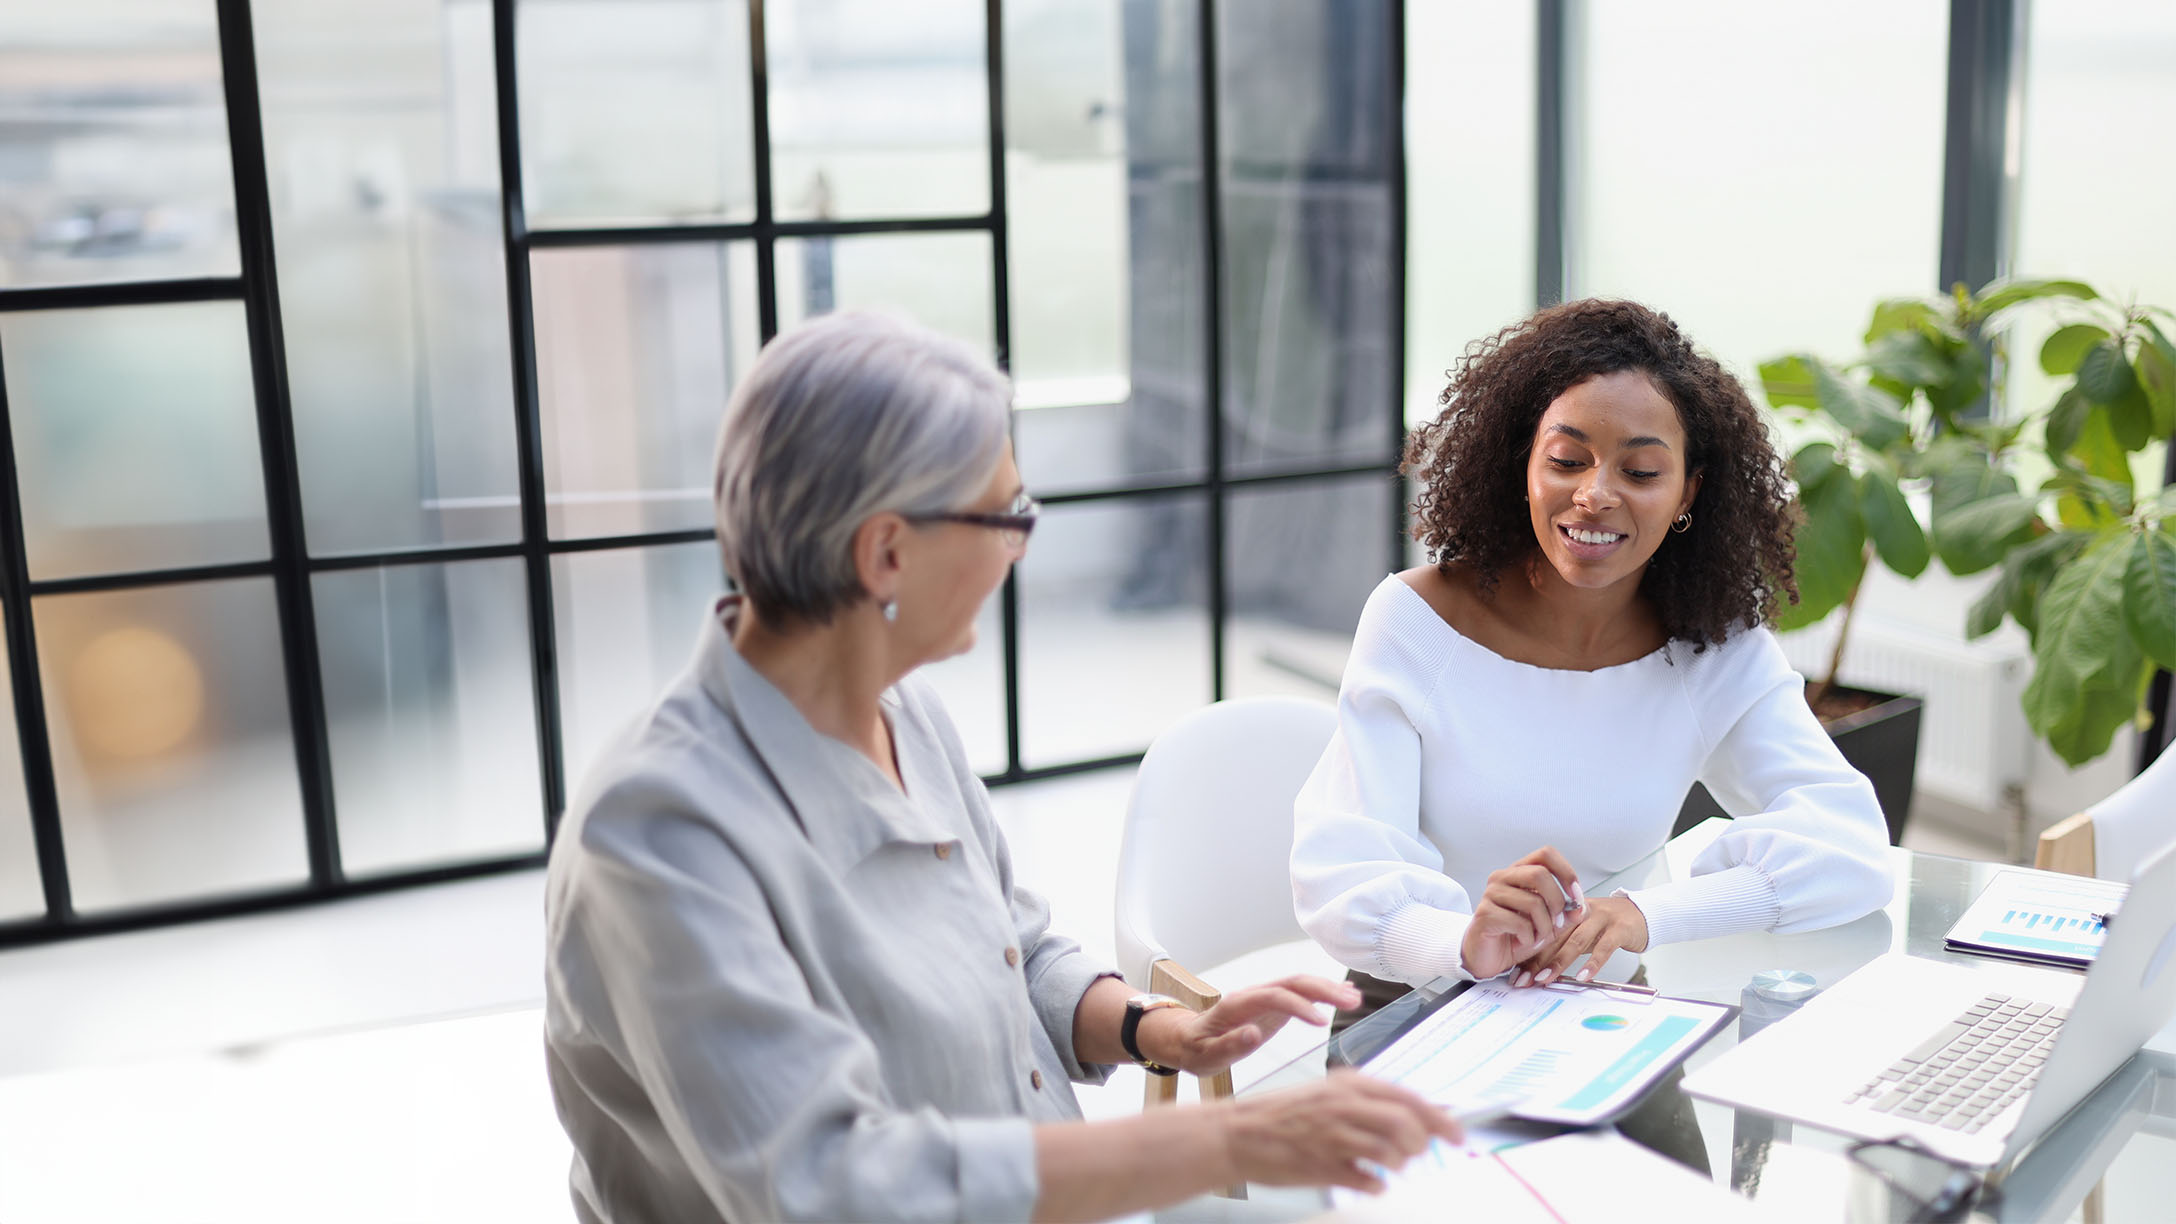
pixel 790 973
pixel 1609 531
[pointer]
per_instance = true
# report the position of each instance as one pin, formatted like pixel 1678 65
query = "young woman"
pixel 1610 530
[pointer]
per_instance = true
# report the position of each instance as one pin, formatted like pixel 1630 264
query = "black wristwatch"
pixel 1129 1030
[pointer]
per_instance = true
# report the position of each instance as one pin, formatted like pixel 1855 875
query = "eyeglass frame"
pixel 1020 519
pixel 1962 1187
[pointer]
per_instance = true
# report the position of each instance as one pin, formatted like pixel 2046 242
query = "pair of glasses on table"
pixel 1936 1189
pixel 1013 526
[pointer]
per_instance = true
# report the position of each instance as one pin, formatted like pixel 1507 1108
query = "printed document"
pixel 1573 1056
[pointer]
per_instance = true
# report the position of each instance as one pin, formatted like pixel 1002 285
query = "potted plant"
pixel 1904 470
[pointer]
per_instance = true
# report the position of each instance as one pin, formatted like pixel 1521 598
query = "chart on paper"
pixel 2031 915
pixel 1556 1055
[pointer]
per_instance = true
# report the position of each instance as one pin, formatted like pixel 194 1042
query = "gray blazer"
pixel 778 988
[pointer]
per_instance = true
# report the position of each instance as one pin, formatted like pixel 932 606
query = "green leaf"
pixel 2104 375
pixel 2099 492
pixel 1985 614
pixel 1977 535
pixel 1907 358
pixel 2067 347
pixel 1788 381
pixel 2009 293
pixel 2086 667
pixel 1814 465
pixel 1891 525
pixel 1872 415
pixel 2082 628
pixel 2130 419
pixel 2033 565
pixel 1966 383
pixel 2066 420
pixel 2155 366
pixel 2149 596
pixel 1831 551
pixel 1907 314
pixel 1967 478
pixel 2099 452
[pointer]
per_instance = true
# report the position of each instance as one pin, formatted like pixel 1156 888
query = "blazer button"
pixel 1012 958
pixel 944 850
pixel 1035 1080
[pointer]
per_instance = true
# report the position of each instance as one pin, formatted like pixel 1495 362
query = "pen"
pixel 2105 919
pixel 1623 987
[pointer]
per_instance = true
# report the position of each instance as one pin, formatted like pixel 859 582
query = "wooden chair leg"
pixel 1168 977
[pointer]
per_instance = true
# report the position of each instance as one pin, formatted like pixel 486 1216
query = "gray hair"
pixel 844 417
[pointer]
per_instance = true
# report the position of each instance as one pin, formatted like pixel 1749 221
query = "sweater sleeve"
pixel 1365 884
pixel 1809 848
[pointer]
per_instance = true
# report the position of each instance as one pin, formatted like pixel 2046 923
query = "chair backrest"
pixel 1204 874
pixel 2138 819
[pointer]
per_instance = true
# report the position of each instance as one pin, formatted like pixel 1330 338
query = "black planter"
pixel 1881 741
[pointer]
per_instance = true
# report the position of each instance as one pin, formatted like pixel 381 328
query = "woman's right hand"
pixel 1318 1134
pixel 1522 908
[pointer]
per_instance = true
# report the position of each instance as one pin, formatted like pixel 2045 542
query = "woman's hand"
pixel 1609 923
pixel 1317 1134
pixel 1521 911
pixel 1208 1042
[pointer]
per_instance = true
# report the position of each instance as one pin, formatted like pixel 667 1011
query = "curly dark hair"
pixel 1728 570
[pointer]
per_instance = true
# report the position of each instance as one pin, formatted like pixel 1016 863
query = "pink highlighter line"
pixel 1546 1205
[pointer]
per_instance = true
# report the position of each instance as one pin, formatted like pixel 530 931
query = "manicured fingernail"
pixel 1560 920
pixel 1579 895
pixel 1523 978
pixel 1544 975
pixel 1586 974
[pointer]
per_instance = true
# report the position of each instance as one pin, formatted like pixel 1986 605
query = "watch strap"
pixel 1129 1030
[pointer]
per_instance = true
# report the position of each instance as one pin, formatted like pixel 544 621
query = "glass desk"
pixel 1798 1172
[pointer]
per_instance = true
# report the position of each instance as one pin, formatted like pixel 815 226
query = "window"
pixel 361 368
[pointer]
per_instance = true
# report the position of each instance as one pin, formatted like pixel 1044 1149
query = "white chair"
pixel 2111 838
pixel 1204 874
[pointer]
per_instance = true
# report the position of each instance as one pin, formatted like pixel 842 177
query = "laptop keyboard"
pixel 1964 1076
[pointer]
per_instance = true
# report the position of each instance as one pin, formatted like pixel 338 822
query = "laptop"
pixel 1973 1062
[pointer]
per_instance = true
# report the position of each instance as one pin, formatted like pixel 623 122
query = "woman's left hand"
pixel 1211 1041
pixel 1609 923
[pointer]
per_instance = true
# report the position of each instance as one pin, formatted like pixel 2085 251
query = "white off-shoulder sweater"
pixel 1451 761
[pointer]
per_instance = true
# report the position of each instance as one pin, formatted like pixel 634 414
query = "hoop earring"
pixel 1682 523
pixel 890 609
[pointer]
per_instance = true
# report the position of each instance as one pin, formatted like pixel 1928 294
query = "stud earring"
pixel 890 609
pixel 1683 523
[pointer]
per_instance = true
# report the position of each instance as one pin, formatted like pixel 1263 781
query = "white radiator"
pixel 1973 741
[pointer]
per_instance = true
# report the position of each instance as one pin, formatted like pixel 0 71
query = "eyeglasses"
pixel 1013 526
pixel 1934 1188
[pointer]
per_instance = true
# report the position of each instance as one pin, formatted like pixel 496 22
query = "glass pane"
pixel 1775 205
pixel 113 143
pixel 637 349
pixel 943 281
pixel 2098 95
pixel 972 687
pixel 1308 162
pixel 1299 561
pixel 878 109
pixel 1469 114
pixel 382 150
pixel 635 112
pixel 1103 165
pixel 135 437
pixel 626 622
pixel 1114 626
pixel 22 895
pixel 431 713
pixel 172 749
